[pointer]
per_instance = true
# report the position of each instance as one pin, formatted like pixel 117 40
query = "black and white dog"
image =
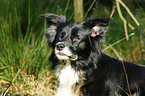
pixel 82 68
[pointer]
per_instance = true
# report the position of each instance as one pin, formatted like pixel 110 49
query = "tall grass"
pixel 22 52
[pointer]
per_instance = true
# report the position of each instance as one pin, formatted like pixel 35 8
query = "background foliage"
pixel 24 65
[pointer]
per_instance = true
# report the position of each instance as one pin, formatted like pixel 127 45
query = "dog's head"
pixel 74 41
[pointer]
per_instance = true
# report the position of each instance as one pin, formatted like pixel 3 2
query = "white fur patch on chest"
pixel 67 77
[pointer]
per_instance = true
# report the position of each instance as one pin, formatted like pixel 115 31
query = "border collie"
pixel 82 68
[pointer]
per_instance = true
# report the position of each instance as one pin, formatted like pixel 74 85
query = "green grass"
pixel 24 53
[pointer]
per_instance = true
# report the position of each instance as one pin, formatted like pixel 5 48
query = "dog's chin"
pixel 61 56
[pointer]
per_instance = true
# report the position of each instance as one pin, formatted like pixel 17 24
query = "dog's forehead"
pixel 80 29
pixel 69 28
pixel 74 29
pixel 66 26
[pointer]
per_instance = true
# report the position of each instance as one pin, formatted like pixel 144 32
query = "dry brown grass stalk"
pixel 117 42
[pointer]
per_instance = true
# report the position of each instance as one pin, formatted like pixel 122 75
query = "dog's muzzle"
pixel 63 52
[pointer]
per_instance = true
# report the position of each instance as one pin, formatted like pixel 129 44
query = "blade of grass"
pixel 116 53
pixel 139 26
pixel 66 7
pixel 113 11
pixel 125 27
pixel 5 92
pixel 132 16
pixel 29 16
pixel 122 90
pixel 89 9
pixel 126 76
pixel 123 19
pixel 117 42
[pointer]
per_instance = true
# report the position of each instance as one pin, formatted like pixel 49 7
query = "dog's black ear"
pixel 98 26
pixel 53 21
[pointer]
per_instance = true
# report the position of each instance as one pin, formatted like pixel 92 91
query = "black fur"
pixel 104 75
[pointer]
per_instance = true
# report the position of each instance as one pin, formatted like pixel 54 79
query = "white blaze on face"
pixel 67 78
pixel 63 54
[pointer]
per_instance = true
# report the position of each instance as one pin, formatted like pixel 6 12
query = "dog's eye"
pixel 61 36
pixel 76 39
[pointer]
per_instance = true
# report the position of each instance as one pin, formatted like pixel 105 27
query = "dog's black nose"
pixel 60 46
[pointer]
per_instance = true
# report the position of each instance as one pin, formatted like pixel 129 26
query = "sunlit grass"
pixel 22 53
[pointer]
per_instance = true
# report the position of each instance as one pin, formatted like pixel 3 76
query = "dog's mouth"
pixel 72 57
